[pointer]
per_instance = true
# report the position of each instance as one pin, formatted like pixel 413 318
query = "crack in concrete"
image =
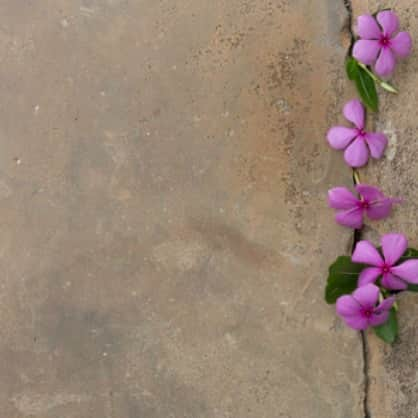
pixel 357 235
pixel 349 8
pixel 366 366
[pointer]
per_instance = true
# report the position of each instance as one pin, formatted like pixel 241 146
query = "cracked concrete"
pixel 392 375
pixel 357 236
pixel 165 237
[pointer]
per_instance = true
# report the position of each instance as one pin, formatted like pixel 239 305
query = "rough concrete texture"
pixel 392 370
pixel 165 236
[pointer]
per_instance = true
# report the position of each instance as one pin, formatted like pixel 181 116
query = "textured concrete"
pixel 164 232
pixel 392 370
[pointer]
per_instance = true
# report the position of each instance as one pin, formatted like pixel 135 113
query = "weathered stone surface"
pixel 165 236
pixel 392 370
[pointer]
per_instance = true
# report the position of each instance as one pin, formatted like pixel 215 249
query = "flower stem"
pixel 356 176
pixel 386 86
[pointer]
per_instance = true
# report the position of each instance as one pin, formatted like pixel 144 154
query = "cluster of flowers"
pixel 379 45
pixel 362 309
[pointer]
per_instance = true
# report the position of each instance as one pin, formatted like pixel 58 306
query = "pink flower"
pixel 394 277
pixel 358 143
pixel 359 310
pixel 350 209
pixel 380 45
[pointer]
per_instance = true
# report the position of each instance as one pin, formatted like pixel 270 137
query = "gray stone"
pixel 165 236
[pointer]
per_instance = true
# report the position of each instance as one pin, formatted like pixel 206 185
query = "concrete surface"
pixel 392 370
pixel 164 231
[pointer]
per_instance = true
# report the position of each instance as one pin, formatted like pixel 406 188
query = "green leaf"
pixel 342 278
pixel 413 287
pixel 366 88
pixel 410 253
pixel 351 68
pixel 389 330
pixel 388 87
pixel 365 84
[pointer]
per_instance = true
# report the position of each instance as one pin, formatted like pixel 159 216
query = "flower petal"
pixel 367 295
pixel 380 209
pixel 366 51
pixel 392 282
pixel 401 44
pixel 407 271
pixel 388 21
pixel 366 253
pixel 369 193
pixel 377 143
pixel 341 198
pixel 357 322
pixel 379 205
pixel 367 27
pixel 393 246
pixel 352 218
pixel 357 153
pixel 340 136
pixel 369 275
pixel 386 304
pixel 378 318
pixel 347 306
pixel 354 112
pixel 385 64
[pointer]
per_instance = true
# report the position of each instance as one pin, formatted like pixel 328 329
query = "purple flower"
pixel 350 209
pixel 356 141
pixel 359 310
pixel 380 45
pixel 394 277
